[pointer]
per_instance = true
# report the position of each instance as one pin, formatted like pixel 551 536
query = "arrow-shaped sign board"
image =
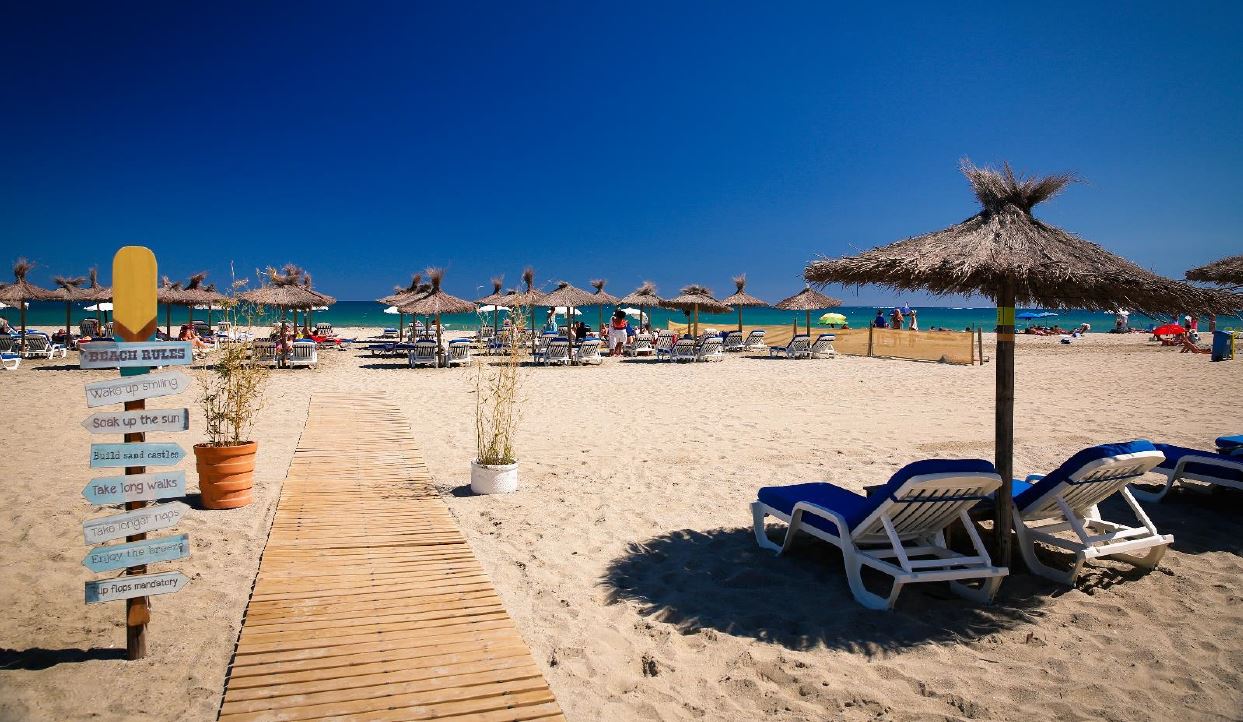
pixel 133 388
pixel 144 585
pixel 106 456
pixel 147 551
pixel 130 354
pixel 138 521
pixel 132 422
pixel 136 487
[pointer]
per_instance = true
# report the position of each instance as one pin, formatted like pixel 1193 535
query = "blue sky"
pixel 677 142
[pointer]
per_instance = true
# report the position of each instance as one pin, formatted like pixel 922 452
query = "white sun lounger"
pixel 732 341
pixel 40 346
pixel 899 530
pixel 755 341
pixel 642 346
pixel 263 352
pixel 6 343
pixel 683 350
pixel 459 352
pixel 10 361
pixel 710 350
pixel 799 347
pixel 423 354
pixel 1223 467
pixel 1060 509
pixel 588 352
pixel 823 347
pixel 556 352
pixel 664 344
pixel 302 353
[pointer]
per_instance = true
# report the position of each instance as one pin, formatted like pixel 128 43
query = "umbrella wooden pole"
pixel 168 320
pixel 697 320
pixel 68 311
pixel 401 321
pixel 21 305
pixel 739 319
pixel 809 322
pixel 1004 421
pixel 440 356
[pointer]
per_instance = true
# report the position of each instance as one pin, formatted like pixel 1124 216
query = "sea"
pixel 370 314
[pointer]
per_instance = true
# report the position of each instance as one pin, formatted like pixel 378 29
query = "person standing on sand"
pixel 914 321
pixel 617 333
pixel 897 319
pixel 879 321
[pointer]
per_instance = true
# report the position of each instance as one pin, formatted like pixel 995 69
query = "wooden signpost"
pixel 120 422
pixel 105 456
pixel 108 355
pixel 136 487
pixel 134 318
pixel 133 388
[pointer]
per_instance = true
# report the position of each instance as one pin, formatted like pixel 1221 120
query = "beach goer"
pixel 581 331
pixel 914 320
pixel 897 318
pixel 4 325
pixel 617 333
pixel 879 321
pixel 197 347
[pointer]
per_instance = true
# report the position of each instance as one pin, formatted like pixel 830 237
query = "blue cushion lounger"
pixel 1048 507
pixel 1223 467
pixel 914 507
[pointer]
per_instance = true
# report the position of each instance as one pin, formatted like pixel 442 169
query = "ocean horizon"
pixel 369 314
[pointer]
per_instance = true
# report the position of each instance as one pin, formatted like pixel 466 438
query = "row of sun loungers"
pixel 900 528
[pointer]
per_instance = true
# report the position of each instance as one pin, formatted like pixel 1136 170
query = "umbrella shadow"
pixel 57 367
pixel 720 580
pixel 385 366
pixel 38 658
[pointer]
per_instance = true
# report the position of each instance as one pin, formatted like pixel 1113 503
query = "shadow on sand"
pixel 38 658
pixel 721 580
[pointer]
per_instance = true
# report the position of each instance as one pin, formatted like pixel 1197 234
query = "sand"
pixel 627 560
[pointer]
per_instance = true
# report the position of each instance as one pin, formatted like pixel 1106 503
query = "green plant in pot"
pixel 497 413
pixel 231 398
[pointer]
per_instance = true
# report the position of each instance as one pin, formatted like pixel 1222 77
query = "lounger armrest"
pixel 843 529
pixel 1207 460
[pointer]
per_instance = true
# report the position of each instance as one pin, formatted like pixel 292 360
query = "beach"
pixel 627 559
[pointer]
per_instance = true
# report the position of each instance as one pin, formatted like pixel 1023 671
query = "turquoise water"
pixel 371 314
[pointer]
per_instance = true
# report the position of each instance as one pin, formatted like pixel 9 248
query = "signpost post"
pixel 134 352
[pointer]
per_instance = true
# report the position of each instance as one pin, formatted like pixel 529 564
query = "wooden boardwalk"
pixel 369 603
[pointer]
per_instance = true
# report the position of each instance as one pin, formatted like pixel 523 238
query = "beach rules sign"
pixel 135 353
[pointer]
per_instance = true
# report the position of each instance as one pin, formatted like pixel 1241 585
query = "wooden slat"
pixel 368 603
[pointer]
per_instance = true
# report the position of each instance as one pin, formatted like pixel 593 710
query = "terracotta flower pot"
pixel 226 474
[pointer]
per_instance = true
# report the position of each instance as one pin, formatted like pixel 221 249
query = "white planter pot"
pixel 487 479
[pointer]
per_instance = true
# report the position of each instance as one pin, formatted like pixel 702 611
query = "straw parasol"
pixel 20 291
pixel 1226 272
pixel 436 302
pixel 95 292
pixel 694 298
pixel 643 296
pixel 807 300
pixel 1006 254
pixel 603 298
pixel 194 293
pixel 570 297
pixel 67 290
pixel 741 298
pixel 401 295
pixel 528 298
pixel 169 294
pixel 494 299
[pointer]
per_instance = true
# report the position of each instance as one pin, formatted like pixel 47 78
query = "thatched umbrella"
pixel 807 300
pixel 528 298
pixel 169 294
pixel 20 291
pixel 570 297
pixel 603 298
pixel 494 299
pixel 95 292
pixel 695 297
pixel 436 302
pixel 1006 254
pixel 643 296
pixel 1226 272
pixel 402 295
pixel 284 289
pixel 194 293
pixel 67 290
pixel 741 298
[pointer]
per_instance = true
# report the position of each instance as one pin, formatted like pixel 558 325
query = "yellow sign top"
pixel 134 309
